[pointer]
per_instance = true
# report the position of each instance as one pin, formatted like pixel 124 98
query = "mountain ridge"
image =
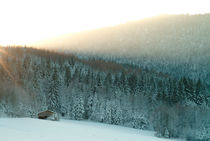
pixel 157 33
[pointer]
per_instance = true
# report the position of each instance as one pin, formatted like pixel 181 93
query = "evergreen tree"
pixel 199 96
pixel 122 81
pixel 108 82
pixel 174 93
pixel 78 110
pixel 180 92
pixel 132 82
pixel 99 80
pixel 67 76
pixel 188 89
pixel 87 77
pixel 53 95
pixel 166 134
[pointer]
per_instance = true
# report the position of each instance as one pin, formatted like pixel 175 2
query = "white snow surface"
pixel 28 129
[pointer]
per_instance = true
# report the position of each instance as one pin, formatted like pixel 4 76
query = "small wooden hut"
pixel 48 115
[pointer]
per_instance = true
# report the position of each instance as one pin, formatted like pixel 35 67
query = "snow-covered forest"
pixel 33 80
pixel 174 44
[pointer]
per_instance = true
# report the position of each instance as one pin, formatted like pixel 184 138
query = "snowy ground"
pixel 27 129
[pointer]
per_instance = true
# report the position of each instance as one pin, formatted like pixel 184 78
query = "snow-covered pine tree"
pixel 53 94
pixel 78 108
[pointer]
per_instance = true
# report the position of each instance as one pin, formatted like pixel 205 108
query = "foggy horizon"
pixel 27 21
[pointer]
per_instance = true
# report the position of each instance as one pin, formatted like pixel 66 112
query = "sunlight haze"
pixel 25 21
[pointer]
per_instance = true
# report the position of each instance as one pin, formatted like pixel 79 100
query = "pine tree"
pixel 132 82
pixel 108 82
pixel 87 78
pixel 199 96
pixel 78 110
pixel 166 134
pixel 108 113
pixel 160 91
pixel 89 106
pixel 188 88
pixel 53 95
pixel 76 75
pixel 174 93
pixel 67 76
pixel 122 81
pixel 99 80
pixel 180 92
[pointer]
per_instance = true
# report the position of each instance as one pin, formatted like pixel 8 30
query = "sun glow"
pixel 3 65
pixel 25 21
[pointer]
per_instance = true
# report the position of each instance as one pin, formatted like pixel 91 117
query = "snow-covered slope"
pixel 27 129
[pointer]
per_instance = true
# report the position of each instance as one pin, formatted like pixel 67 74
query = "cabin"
pixel 49 115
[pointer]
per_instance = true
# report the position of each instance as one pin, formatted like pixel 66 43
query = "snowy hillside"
pixel 26 129
pixel 33 80
pixel 174 44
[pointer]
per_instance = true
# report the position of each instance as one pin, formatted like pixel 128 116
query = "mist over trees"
pixel 175 44
pixel 101 90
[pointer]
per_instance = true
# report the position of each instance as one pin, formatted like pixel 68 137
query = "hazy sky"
pixel 25 21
